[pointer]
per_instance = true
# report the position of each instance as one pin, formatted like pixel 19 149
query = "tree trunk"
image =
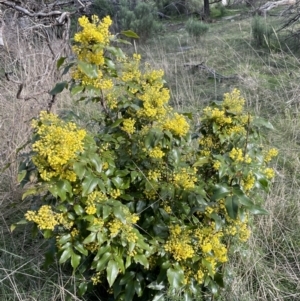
pixel 206 9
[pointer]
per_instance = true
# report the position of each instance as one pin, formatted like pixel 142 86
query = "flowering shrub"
pixel 149 202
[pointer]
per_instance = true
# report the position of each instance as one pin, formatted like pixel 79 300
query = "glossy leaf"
pixel 232 206
pixel 220 192
pixel 58 88
pixel 88 69
pixel 175 277
pixel 102 262
pixel 130 34
pixel 60 61
pixel 112 272
pixel 66 254
pixel 75 260
pixel 142 259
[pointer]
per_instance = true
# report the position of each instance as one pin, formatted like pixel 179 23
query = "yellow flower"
pixel 156 153
pixel 45 218
pixel 233 102
pixel 177 124
pixel 128 125
pixel 273 152
pixel 236 155
pixel 179 244
pixel 269 172
pixel 58 143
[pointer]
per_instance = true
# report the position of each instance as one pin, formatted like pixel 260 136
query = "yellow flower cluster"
pixel 156 153
pixel 96 278
pixel 114 227
pixel 58 144
pixel 273 152
pixel 93 32
pixel 154 175
pixel 236 154
pixel 117 227
pixel 217 115
pixel 179 244
pixel 45 218
pixel 93 198
pixel 235 227
pixel 269 172
pixel 233 102
pixel 248 182
pixel 154 99
pixel 207 142
pixel 115 193
pixel 216 165
pixel 128 125
pixel 185 178
pixel 177 125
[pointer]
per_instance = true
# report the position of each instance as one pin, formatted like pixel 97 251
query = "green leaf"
pixel 116 51
pixel 60 61
pixel 258 210
pixel 80 248
pixel 142 259
pixel 77 89
pixel 138 288
pixel 261 122
pixel 243 199
pixel 21 222
pixel 80 169
pixel 75 260
pixel 21 175
pixel 120 213
pixel 89 184
pixel 78 209
pixel 66 254
pixel 129 275
pixel 232 206
pixel 219 192
pixel 90 238
pixel 187 296
pixel 175 277
pixel 219 279
pixel 130 34
pixel 129 291
pixel 64 239
pixel 89 69
pixel 97 162
pixel 110 64
pixel 159 297
pixel 58 88
pixel 82 288
pixel 67 68
pixel 112 272
pixel 60 188
pixel 117 182
pixel 218 221
pixel 101 263
pixel 6 166
pixel 119 259
pixel 29 191
pixel 201 161
pixel 156 286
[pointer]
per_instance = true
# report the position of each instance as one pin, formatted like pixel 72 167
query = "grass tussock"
pixel 268 268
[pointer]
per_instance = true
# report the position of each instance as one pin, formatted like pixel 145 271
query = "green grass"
pixel 268 267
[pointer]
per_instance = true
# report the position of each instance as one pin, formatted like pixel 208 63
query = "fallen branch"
pixel 211 71
pixel 273 4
